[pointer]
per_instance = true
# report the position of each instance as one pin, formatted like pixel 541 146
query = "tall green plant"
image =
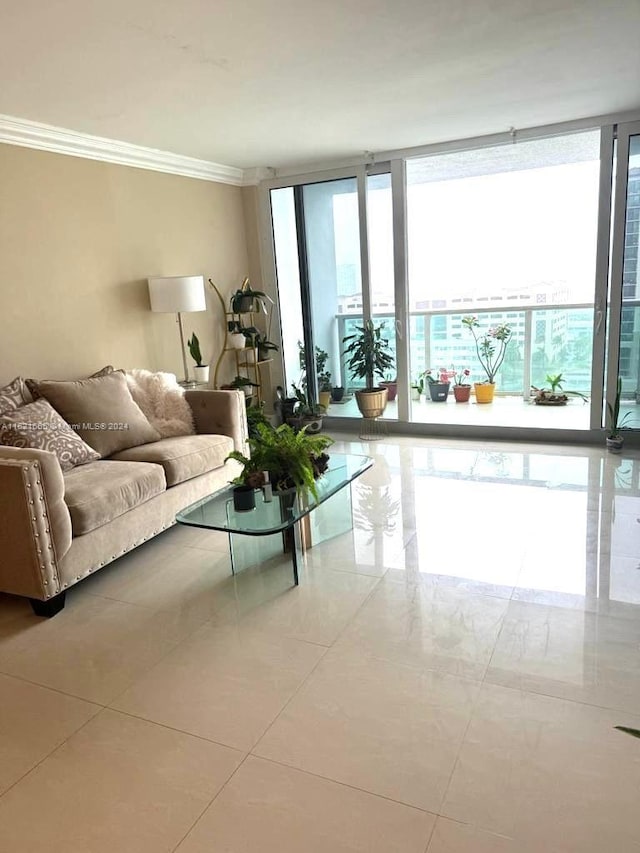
pixel 368 352
pixel 490 347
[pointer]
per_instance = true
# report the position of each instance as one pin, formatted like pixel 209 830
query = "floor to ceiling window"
pixel 510 234
pixel 507 234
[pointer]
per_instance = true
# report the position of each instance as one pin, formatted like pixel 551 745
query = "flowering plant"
pixel 441 375
pixel 490 347
pixel 460 376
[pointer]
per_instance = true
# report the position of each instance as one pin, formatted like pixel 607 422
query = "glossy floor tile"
pixel 224 683
pixel 33 722
pixel 118 784
pixel 270 807
pixel 445 679
pixel 547 772
pixel 384 728
pixel 431 626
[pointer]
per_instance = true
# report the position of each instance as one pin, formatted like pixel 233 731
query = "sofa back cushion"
pixel 38 426
pixel 102 411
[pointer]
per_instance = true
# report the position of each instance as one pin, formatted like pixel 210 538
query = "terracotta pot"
pixel 392 390
pixel 462 393
pixel 484 391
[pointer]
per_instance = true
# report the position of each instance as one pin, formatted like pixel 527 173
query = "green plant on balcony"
pixel 491 346
pixel 369 356
pixel 554 395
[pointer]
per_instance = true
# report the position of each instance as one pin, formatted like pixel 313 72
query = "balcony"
pixel 547 339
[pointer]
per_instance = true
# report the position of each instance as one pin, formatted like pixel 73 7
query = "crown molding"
pixel 46 137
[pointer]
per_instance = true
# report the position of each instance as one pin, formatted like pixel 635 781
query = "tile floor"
pixel 445 679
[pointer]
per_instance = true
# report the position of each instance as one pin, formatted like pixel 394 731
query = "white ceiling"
pixel 261 83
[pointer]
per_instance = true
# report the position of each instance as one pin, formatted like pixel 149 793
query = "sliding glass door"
pixel 522 235
pixel 509 235
pixel 342 233
pixel 624 296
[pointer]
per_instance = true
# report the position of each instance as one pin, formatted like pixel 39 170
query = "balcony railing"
pixel 546 339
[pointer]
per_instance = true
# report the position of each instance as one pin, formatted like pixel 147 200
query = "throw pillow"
pixel 162 401
pixel 102 411
pixel 32 384
pixel 37 425
pixel 14 395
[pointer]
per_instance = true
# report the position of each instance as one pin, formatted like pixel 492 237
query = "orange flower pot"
pixel 484 392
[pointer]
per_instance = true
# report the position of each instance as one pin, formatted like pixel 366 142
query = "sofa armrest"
pixel 35 525
pixel 220 413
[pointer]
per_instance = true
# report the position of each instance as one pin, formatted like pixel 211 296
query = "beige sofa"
pixel 56 528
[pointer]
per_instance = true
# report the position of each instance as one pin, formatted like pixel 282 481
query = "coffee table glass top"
pixel 216 512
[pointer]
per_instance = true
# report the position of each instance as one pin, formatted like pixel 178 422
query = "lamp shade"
pixel 177 293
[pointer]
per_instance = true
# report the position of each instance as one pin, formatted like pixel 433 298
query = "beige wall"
pixel 78 240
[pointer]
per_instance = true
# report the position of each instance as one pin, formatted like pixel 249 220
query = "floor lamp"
pixel 177 295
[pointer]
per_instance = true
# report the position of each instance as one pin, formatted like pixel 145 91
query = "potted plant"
pixel 392 387
pixel 293 460
pixel 461 388
pixel 417 388
pixel 265 346
pixel 248 301
pixel 337 393
pixel 201 371
pixel 438 385
pixel 368 357
pixel 324 378
pixel 615 439
pixel 490 348
pixel 554 395
pixel 235 337
pixel 306 414
pixel 243 384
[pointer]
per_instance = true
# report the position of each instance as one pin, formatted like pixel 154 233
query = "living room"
pixel 448 674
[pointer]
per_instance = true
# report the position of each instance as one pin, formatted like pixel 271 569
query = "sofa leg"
pixel 50 607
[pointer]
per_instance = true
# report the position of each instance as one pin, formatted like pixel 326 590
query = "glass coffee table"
pixel 289 522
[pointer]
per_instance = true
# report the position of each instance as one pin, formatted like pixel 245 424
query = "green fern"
pixel 291 458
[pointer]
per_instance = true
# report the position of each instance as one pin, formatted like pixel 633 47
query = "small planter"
pixel 392 390
pixel 250 355
pixel 237 341
pixel 337 393
pixel 462 393
pixel 484 391
pixel 313 423
pixel 201 373
pixel 243 304
pixel 324 398
pixel 415 395
pixel 439 391
pixel 615 444
pixel 244 498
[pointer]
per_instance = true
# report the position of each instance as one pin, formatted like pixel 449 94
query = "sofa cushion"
pixel 37 425
pixel 162 401
pixel 14 395
pixel 31 385
pixel 101 410
pixel 101 491
pixel 183 456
